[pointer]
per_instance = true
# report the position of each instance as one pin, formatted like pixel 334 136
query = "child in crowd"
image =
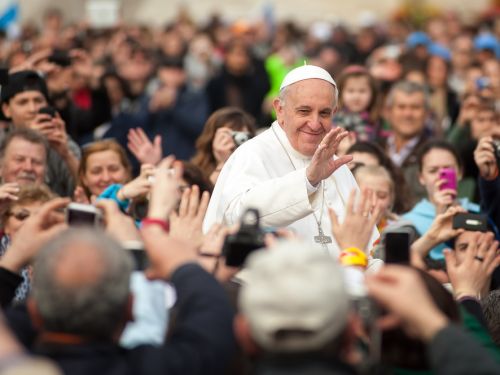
pixel 358 103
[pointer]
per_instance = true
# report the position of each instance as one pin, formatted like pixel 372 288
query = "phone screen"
pixel 397 247
pixel 79 217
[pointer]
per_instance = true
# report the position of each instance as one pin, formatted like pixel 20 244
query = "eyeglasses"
pixel 20 215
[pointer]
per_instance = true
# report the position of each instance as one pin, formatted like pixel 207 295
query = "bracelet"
pixel 164 224
pixel 352 256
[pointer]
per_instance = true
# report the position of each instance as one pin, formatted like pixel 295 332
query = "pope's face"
pixel 306 113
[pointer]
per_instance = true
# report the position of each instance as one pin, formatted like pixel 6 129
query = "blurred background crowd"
pixel 90 113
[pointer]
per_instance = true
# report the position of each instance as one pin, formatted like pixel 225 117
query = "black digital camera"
pixel 249 238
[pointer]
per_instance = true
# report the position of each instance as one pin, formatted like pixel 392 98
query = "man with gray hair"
pixel 290 172
pixel 81 286
pixel 407 111
pixel 23 158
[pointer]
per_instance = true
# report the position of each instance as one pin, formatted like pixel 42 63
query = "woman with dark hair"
pixel 369 153
pixel 224 130
pixel 434 157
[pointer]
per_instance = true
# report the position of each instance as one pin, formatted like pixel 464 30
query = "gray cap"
pixel 295 298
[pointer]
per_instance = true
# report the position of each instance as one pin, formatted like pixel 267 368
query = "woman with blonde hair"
pixel 103 163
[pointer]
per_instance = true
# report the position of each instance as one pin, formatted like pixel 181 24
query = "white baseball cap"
pixel 294 297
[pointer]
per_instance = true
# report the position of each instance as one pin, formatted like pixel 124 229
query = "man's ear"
pixel 34 313
pixel 243 335
pixel 278 108
pixel 6 110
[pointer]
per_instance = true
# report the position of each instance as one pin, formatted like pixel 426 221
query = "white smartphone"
pixel 78 214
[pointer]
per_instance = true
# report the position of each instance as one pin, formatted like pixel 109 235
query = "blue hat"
pixel 418 38
pixel 436 49
pixel 487 41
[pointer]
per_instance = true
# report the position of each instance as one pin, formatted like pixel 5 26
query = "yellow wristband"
pixel 352 256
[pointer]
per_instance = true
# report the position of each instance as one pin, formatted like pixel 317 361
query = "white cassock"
pixel 260 174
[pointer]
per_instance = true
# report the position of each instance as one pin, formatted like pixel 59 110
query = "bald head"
pixel 81 284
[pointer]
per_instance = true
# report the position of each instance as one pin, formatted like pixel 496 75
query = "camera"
pixel 249 238
pixel 496 148
pixel 240 137
pixel 78 214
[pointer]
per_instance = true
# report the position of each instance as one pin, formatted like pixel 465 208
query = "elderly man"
pixel 289 172
pixel 407 110
pixel 23 156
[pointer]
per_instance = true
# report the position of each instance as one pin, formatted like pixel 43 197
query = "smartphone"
pixel 450 176
pixel 4 76
pixel 60 57
pixel 397 247
pixel 471 222
pixel 78 214
pixel 51 111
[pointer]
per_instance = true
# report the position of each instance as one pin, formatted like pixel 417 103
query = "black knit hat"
pixel 26 80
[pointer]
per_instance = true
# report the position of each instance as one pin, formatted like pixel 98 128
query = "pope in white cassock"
pixel 289 172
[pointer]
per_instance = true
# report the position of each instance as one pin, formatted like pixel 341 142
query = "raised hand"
pixel 118 225
pixel 223 145
pixel 144 150
pixel 138 186
pixel 484 156
pixel 402 292
pixel 359 221
pixel 323 163
pixel 165 190
pixel 441 230
pixel 187 223
pixel 444 198
pixel 471 277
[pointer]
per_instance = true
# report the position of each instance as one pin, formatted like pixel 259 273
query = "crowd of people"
pixel 370 159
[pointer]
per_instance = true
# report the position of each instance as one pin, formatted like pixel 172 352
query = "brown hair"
pixel 100 146
pixel 231 117
pixel 355 71
pixel 27 194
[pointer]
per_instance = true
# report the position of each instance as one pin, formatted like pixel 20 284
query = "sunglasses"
pixel 20 215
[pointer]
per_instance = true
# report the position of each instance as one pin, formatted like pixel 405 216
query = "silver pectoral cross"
pixel 321 238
